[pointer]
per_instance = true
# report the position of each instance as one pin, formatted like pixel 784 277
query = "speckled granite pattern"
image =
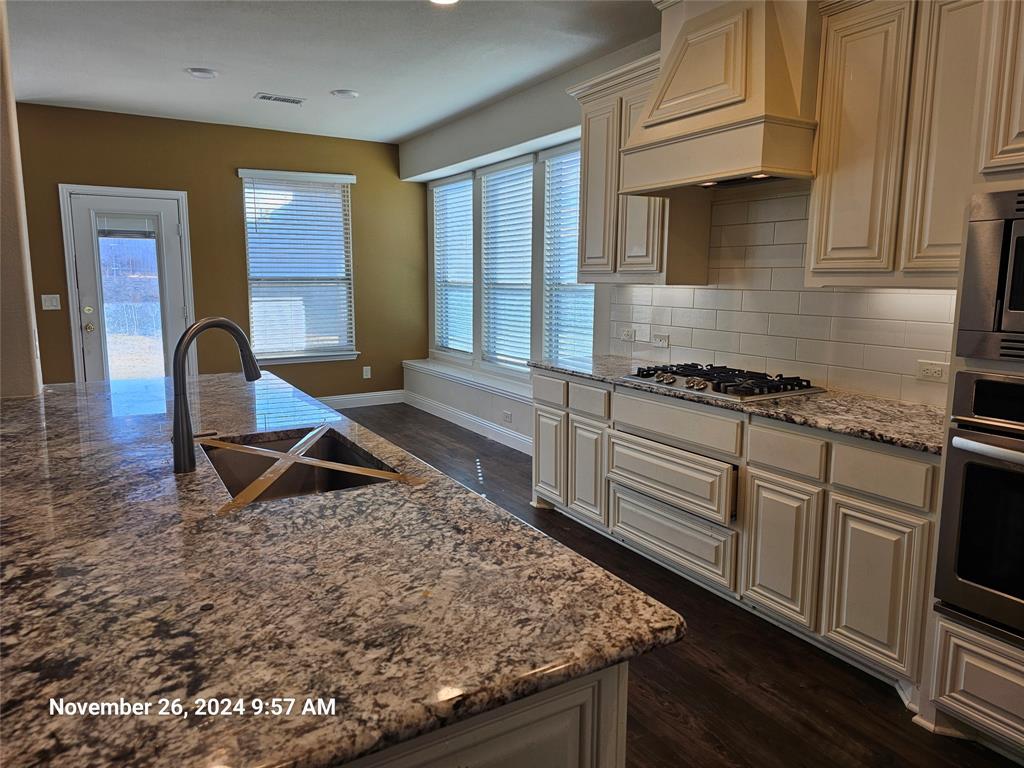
pixel 412 607
pixel 907 425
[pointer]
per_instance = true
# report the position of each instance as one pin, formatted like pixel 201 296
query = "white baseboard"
pixel 495 432
pixel 358 400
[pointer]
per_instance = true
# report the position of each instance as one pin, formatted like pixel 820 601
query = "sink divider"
pixel 294 455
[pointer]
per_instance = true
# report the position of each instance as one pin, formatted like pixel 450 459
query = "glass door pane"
pixel 132 322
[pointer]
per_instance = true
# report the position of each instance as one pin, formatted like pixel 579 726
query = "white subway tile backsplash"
pixel 799 326
pixel 715 298
pixel 756 313
pixel 691 355
pixel 747 322
pixel 863 380
pixel 729 213
pixel 750 279
pixel 771 301
pixel 661 315
pixel 720 341
pixel 891 333
pixel 789 232
pixel 777 209
pixel 734 360
pixel 771 346
pixel 693 318
pixel 830 352
pixel 786 255
pixel 930 336
pixel 750 234
pixel 673 296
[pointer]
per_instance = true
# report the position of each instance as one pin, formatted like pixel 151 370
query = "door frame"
pixel 65 191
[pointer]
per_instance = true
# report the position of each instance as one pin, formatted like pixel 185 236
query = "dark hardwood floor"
pixel 737 691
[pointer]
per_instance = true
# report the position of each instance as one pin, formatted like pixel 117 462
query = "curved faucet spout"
pixel 181 437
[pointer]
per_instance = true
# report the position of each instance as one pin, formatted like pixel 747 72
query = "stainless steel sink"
pixel 237 470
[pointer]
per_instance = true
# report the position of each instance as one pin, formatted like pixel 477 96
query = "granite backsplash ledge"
pixel 914 426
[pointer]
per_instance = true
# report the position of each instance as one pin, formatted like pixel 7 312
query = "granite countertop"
pixel 411 607
pixel 907 425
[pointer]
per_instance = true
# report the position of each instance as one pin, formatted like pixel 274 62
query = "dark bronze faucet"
pixel 184 448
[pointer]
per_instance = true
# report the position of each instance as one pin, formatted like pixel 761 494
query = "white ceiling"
pixel 415 64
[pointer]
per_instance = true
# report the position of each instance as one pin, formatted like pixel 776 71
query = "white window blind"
pixel 505 263
pixel 453 266
pixel 299 253
pixel 568 307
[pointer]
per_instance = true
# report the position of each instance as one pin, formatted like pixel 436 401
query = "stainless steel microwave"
pixel 992 302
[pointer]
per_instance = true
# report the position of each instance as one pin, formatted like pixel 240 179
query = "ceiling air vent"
pixel 279 99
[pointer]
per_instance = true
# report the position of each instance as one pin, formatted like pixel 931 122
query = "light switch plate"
pixel 367 372
pixel 50 300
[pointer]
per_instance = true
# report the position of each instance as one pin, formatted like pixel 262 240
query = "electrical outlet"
pixel 506 416
pixel 627 334
pixel 660 340
pixel 932 370
pixel 367 373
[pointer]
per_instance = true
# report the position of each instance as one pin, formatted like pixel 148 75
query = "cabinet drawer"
pixel 678 422
pixel 590 401
pixel 892 477
pixel 980 679
pixel 805 456
pixel 684 540
pixel 698 484
pixel 549 390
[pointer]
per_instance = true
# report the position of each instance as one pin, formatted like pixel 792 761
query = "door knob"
pixel 89 327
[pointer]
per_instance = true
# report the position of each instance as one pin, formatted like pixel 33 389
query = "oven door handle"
pixel 988 451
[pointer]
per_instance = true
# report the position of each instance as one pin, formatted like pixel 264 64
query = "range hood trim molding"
pixel 617 79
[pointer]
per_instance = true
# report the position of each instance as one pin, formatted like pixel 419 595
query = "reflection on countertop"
pixel 907 425
pixel 412 607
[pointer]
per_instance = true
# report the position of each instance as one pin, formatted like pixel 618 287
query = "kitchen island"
pixel 407 608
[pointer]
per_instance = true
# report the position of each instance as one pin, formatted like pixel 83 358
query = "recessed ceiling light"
pixel 760 176
pixel 345 93
pixel 202 73
pixel 709 183
pixel 444 2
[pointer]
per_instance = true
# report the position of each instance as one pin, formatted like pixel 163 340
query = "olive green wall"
pixel 74 146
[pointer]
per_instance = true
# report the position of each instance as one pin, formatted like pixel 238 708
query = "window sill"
pixel 516 388
pixel 307 358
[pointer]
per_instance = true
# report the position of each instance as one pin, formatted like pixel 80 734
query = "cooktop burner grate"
pixel 724 382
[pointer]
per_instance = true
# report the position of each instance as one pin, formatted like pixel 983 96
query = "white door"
pixel 131 284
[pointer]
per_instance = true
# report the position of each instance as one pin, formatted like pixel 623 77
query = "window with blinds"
pixel 506 247
pixel 298 230
pixel 568 306
pixel 453 265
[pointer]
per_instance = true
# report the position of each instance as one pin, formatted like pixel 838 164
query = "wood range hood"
pixel 735 97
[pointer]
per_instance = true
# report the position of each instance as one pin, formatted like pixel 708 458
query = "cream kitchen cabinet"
pixel 1002 109
pixel 783 536
pixel 626 238
pixel 874 582
pixel 895 157
pixel 586 468
pixel 550 428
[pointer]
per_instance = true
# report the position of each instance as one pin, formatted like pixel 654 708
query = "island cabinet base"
pixel 579 724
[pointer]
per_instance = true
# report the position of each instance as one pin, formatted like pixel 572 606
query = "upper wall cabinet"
pixel 1002 131
pixel 625 238
pixel 895 158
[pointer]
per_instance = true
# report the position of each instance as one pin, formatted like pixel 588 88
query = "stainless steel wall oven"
pixel 981 540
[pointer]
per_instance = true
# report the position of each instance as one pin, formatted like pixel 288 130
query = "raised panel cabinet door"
pixel 599 184
pixel 1002 129
pixel 586 468
pixel 864 81
pixel 940 159
pixel 549 453
pixel 783 522
pixel 874 582
pixel 642 226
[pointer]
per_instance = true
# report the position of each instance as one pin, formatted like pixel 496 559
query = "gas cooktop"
pixel 722 382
